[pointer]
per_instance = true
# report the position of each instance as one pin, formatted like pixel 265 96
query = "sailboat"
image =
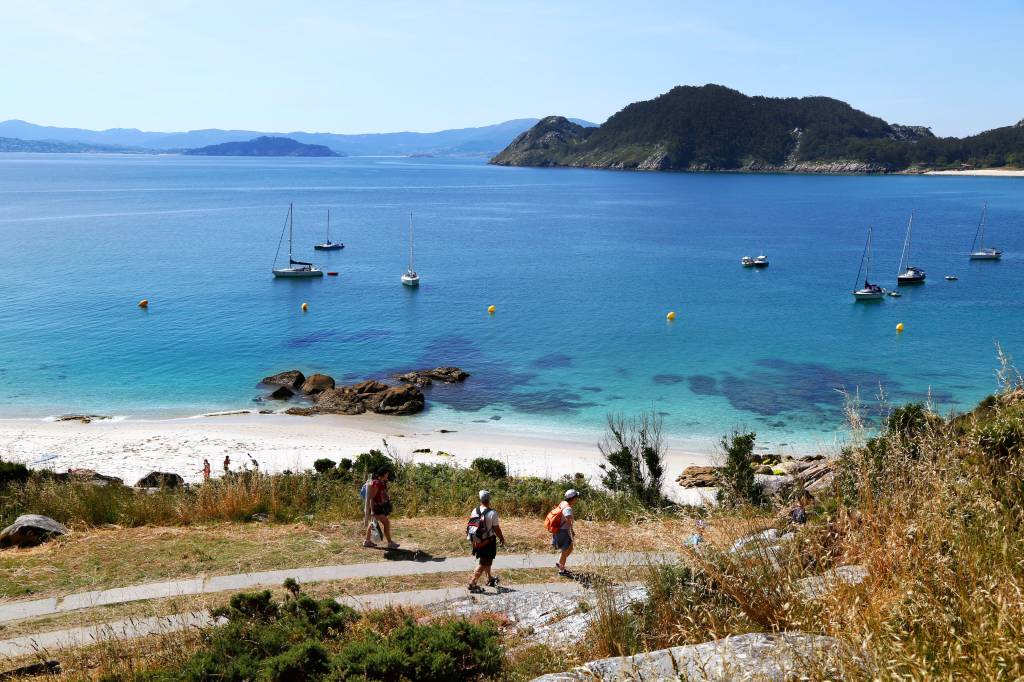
pixel 329 245
pixel 410 278
pixel 982 252
pixel 296 268
pixel 908 274
pixel 868 292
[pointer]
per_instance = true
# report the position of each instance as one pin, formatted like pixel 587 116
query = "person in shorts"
pixel 380 508
pixel 486 549
pixel 565 537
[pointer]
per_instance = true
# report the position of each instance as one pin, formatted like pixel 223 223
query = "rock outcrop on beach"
pixel 282 393
pixel 316 383
pixel 292 379
pixel 87 476
pixel 371 396
pixel 29 530
pixel 406 399
pixel 699 477
pixel 425 377
pixel 339 401
pixel 160 479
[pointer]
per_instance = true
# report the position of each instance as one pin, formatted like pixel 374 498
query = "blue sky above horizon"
pixel 356 67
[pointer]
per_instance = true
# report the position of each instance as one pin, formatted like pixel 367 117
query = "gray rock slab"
pixel 758 656
pixel 818 586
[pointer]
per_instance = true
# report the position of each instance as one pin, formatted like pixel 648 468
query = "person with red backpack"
pixel 559 523
pixel 484 533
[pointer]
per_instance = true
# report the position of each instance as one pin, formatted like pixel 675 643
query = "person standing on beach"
pixel 559 523
pixel 206 470
pixel 380 508
pixel 485 534
pixel 227 464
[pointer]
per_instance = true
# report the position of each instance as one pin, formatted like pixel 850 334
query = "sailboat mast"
pixel 291 218
pixel 410 240
pixel 980 236
pixel 906 243
pixel 867 264
pixel 863 257
pixel 328 226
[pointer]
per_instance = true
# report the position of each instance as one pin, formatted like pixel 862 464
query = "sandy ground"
pixel 130 449
pixel 992 172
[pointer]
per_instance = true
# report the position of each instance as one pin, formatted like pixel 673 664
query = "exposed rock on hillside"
pixel 29 530
pixel 546 144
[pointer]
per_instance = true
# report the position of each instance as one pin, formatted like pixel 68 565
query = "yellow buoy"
pixel 491 309
pixel 305 307
pixel 671 315
pixel 899 327
pixel 144 303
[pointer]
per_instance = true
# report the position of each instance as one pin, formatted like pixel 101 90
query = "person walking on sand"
pixel 227 464
pixel 380 508
pixel 206 470
pixel 485 534
pixel 559 523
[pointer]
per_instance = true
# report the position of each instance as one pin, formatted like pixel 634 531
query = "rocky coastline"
pixel 320 394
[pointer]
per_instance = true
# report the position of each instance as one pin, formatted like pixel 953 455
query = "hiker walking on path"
pixel 485 534
pixel 559 523
pixel 380 507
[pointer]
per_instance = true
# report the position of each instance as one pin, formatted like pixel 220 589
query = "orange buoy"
pixel 144 303
pixel 305 307
pixel 332 274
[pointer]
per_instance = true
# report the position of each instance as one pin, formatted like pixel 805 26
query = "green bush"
pixel 369 462
pixel 634 454
pixel 457 650
pixel 323 465
pixel 737 485
pixel 490 467
pixel 12 472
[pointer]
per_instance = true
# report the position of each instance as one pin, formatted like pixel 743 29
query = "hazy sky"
pixel 376 66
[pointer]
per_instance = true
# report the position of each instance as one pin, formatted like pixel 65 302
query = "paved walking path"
pixel 142 627
pixel 18 610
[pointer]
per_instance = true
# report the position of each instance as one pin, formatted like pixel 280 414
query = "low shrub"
pixel 737 485
pixel 490 467
pixel 323 465
pixel 12 472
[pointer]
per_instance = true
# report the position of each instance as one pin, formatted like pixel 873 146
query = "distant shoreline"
pixel 988 172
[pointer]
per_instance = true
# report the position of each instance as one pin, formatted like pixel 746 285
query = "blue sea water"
pixel 582 266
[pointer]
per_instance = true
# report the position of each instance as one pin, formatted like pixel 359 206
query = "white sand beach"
pixel 991 172
pixel 132 448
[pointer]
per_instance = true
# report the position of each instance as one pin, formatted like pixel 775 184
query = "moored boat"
pixel 868 292
pixel 908 274
pixel 296 268
pixel 328 245
pixel 978 249
pixel 411 278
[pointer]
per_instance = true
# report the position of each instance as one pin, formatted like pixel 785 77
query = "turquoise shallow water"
pixel 582 266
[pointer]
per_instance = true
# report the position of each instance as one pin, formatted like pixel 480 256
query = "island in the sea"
pixel 264 146
pixel 715 128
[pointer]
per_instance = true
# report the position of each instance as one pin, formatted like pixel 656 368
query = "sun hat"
pixel 571 493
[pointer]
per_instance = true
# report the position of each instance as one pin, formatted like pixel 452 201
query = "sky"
pixel 390 65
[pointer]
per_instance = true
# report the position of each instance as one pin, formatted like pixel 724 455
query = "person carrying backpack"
pixel 484 533
pixel 559 523
pixel 380 507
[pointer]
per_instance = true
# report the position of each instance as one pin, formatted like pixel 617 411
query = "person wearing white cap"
pixel 559 523
pixel 484 533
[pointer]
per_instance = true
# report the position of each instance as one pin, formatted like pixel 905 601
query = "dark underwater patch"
pixel 552 360
pixel 701 384
pixel 668 379
pixel 591 389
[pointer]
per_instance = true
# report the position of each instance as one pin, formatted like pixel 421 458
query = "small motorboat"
pixel 895 294
pixel 755 262
pixel 951 278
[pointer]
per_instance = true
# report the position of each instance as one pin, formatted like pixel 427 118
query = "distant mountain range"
pixel 264 146
pixel 482 141
pixel 8 144
pixel 715 128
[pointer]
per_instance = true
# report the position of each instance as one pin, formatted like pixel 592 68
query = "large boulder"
pixel 819 476
pixel 282 393
pixel 755 656
pixel 160 479
pixel 406 399
pixel 339 401
pixel 87 476
pixel 425 377
pixel 301 411
pixel 29 530
pixel 316 383
pixel 699 477
pixel 368 387
pixel 775 486
pixel 293 378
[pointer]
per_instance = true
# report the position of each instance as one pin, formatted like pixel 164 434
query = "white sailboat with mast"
pixel 978 249
pixel 411 278
pixel 296 268
pixel 868 292
pixel 329 245
pixel 909 274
